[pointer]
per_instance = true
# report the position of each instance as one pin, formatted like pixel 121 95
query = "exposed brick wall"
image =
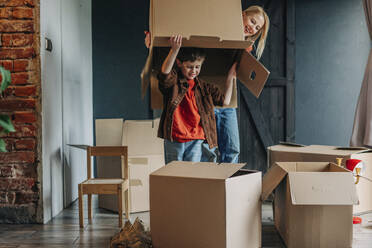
pixel 20 195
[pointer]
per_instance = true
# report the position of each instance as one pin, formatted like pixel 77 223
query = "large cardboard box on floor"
pixel 205 205
pixel 216 25
pixel 320 153
pixel 145 155
pixel 313 205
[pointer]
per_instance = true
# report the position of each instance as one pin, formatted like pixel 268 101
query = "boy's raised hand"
pixel 176 41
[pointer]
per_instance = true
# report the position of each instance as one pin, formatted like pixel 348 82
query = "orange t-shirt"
pixel 186 118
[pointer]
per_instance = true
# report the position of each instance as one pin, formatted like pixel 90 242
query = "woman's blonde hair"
pixel 255 9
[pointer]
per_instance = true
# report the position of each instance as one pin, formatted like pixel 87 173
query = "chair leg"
pixel 127 204
pixel 81 210
pixel 90 208
pixel 120 207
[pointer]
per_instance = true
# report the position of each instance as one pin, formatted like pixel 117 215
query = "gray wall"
pixel 67 112
pixel 332 46
pixel 118 56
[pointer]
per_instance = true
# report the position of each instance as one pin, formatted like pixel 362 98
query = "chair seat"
pixel 104 181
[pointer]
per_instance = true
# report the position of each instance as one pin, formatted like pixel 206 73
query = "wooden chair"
pixel 118 186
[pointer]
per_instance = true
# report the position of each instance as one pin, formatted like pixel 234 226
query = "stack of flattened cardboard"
pixel 205 205
pixel 313 203
pixel 319 153
pixel 145 155
pixel 213 24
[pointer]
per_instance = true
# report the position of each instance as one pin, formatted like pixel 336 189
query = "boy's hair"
pixel 191 54
pixel 263 31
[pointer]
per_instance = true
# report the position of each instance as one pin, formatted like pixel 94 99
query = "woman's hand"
pixel 176 42
pixel 232 71
pixel 147 39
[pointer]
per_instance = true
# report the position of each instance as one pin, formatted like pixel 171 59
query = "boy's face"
pixel 189 69
pixel 252 23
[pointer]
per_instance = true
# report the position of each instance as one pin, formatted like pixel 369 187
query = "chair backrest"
pixel 110 151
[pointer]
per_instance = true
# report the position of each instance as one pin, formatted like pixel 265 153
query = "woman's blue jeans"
pixel 228 138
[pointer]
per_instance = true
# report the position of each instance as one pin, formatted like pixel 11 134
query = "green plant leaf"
pixel 6 124
pixel 2 146
pixel 6 79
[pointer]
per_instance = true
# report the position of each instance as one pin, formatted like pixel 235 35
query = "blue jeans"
pixel 228 138
pixel 188 151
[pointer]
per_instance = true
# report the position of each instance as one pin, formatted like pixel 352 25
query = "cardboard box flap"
pixel 316 149
pixel 286 148
pixel 141 137
pixel 209 18
pixel 322 188
pixel 198 170
pixel 290 144
pixel 272 179
pixel 330 150
pixel 252 73
pixel 351 148
pixel 203 42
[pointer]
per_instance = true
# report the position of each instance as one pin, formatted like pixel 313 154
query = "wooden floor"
pixel 64 231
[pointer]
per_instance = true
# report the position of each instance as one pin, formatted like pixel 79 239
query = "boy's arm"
pixel 168 77
pixel 231 77
pixel 175 42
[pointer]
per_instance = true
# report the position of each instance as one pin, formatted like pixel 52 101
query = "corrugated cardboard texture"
pixel 204 170
pixel 282 201
pixel 247 68
pixel 364 187
pixel 109 132
pixel 326 188
pixel 188 210
pixel 316 220
pixel 211 18
pixel 141 137
pixel 320 227
pixel 271 180
pixel 243 207
pixel 319 153
pixel 140 168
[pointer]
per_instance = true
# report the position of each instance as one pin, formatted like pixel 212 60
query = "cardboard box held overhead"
pixel 319 153
pixel 145 155
pixel 313 206
pixel 205 205
pixel 212 24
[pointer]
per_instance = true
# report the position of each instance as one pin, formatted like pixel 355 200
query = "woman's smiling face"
pixel 253 22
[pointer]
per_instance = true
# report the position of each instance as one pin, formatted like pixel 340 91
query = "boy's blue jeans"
pixel 188 151
pixel 228 138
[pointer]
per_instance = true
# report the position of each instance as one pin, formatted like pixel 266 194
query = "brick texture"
pixel 17 40
pixel 19 179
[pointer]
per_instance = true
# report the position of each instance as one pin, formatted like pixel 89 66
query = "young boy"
pixel 188 115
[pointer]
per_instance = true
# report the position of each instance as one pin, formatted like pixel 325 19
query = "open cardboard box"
pixel 145 155
pixel 212 24
pixel 320 153
pixel 205 205
pixel 313 205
